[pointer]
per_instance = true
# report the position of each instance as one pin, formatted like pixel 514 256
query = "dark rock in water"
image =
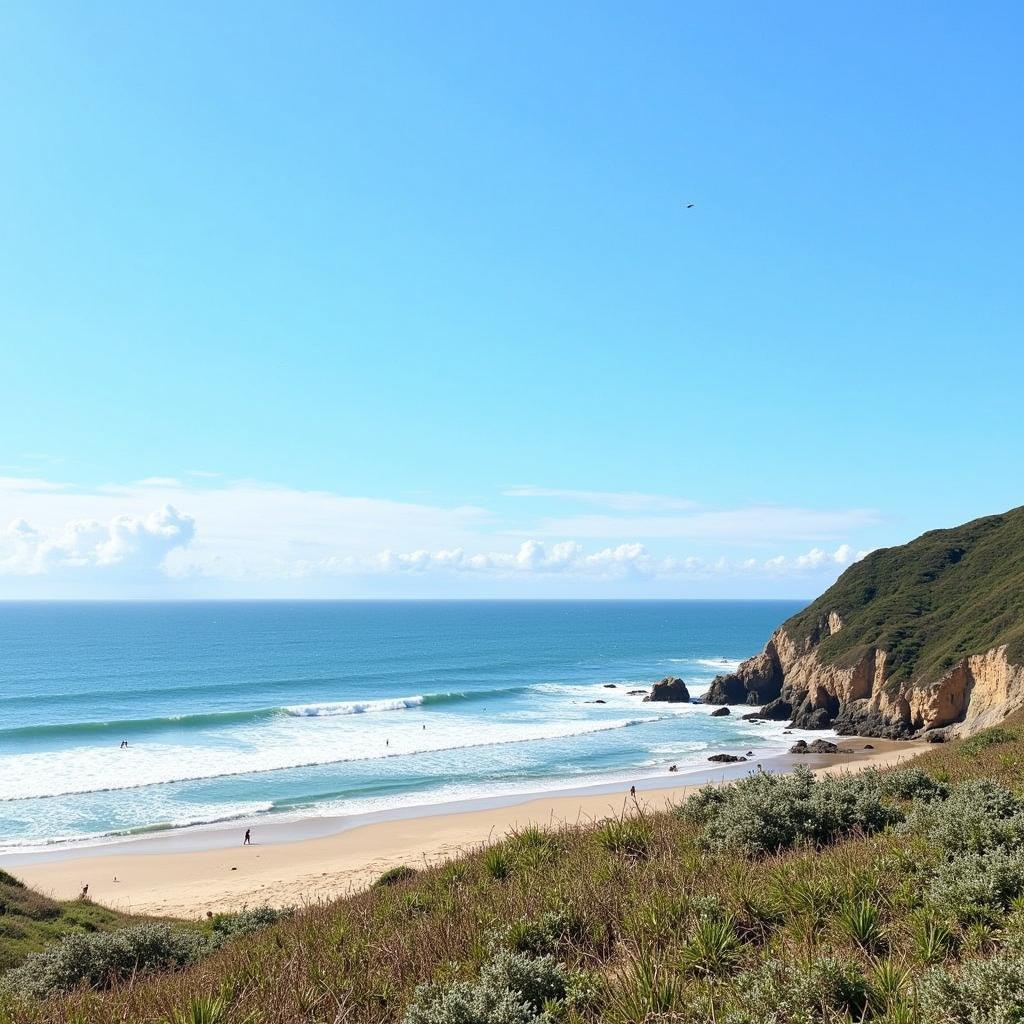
pixel 718 712
pixel 637 693
pixel 750 753
pixel 726 758
pixel 787 732
pixel 754 716
pixel 807 717
pixel 869 746
pixel 610 686
pixel 757 681
pixel 598 701
pixel 671 689
pixel 777 710
pixel 673 767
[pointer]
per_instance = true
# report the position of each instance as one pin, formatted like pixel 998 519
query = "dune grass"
pixel 890 897
pixel 30 921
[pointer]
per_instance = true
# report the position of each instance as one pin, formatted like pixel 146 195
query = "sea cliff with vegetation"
pixel 925 639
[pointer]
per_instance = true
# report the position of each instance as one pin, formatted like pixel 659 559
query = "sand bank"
pixel 187 873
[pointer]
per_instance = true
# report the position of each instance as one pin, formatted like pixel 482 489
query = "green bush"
pixel 765 813
pixel 977 816
pixel 512 988
pixel 399 873
pixel 543 935
pixel 976 887
pixel 102 958
pixel 630 837
pixel 983 992
pixel 225 926
pixel 780 992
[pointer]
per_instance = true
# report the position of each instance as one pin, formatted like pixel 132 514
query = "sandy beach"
pixel 189 873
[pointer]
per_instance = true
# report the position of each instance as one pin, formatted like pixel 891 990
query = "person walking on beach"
pixel 247 841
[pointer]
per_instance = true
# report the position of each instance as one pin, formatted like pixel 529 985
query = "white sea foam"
pixel 353 707
pixel 288 743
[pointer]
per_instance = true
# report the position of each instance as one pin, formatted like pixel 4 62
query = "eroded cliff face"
pixel 793 683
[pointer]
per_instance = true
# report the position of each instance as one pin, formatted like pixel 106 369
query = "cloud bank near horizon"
pixel 184 536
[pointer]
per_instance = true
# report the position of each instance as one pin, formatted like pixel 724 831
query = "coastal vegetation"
pixel 929 603
pixel 890 897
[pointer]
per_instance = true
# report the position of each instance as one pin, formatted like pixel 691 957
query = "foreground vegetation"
pixel 929 603
pixel 29 921
pixel 887 897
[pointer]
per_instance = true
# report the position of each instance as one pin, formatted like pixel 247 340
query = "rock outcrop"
pixel 860 699
pixel 924 639
pixel 672 690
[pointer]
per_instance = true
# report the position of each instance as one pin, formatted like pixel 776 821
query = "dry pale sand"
pixel 189 882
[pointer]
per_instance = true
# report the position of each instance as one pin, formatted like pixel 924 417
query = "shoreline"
pixel 189 872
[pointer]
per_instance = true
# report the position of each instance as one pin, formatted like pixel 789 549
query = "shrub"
pixel 910 784
pixel 766 813
pixel 543 935
pixel 496 863
pixel 102 958
pixel 779 992
pixel 861 921
pixel 225 926
pixel 976 887
pixel 977 815
pixel 630 837
pixel 713 948
pixel 983 992
pixel 512 988
pixel 399 873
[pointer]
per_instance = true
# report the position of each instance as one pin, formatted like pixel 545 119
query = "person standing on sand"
pixel 247 841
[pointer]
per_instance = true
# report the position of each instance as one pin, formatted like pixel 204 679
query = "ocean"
pixel 243 709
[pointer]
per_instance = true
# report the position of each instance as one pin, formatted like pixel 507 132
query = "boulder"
pixel 610 686
pixel 726 758
pixel 719 712
pixel 671 690
pixel 637 693
pixel 777 710
pixel 817 747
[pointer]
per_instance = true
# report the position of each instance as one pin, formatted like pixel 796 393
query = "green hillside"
pixel 929 603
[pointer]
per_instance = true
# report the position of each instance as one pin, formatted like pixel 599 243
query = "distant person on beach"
pixel 247 841
pixel 632 792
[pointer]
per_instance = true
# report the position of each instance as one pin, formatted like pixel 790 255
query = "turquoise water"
pixel 236 709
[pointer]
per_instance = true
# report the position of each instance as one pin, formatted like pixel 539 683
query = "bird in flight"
pixel 690 206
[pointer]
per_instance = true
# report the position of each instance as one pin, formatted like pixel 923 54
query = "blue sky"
pixel 301 300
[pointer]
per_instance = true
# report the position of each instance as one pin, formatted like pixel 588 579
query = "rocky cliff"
pixel 924 639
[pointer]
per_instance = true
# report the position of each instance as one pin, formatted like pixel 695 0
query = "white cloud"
pixel 160 481
pixel 626 501
pixel 125 542
pixel 29 483
pixel 758 524
pixel 250 537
